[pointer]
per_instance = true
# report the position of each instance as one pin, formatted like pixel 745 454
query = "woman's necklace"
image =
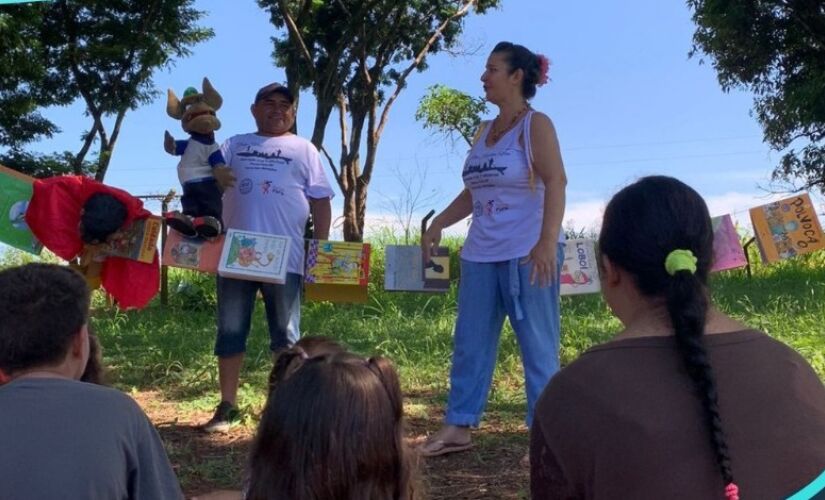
pixel 496 132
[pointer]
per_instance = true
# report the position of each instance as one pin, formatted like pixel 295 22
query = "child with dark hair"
pixel 62 438
pixel 685 402
pixel 289 360
pixel 94 373
pixel 332 429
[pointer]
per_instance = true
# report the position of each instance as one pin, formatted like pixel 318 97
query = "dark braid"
pixel 643 224
pixel 687 306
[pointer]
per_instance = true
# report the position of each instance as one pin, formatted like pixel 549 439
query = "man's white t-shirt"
pixel 275 177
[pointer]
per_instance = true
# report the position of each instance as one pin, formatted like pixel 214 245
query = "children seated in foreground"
pixel 332 429
pixel 685 402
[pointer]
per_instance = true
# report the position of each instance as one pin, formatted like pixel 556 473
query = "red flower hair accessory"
pixel 544 66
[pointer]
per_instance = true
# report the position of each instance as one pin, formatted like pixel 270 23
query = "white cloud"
pixel 585 214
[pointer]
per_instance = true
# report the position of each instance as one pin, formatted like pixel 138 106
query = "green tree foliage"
pixel 775 48
pixel 103 52
pixel 450 111
pixel 45 165
pixel 356 56
pixel 23 79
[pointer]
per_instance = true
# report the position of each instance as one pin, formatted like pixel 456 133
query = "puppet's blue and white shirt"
pixel 199 155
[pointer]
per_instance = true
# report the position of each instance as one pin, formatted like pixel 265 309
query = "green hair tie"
pixel 680 260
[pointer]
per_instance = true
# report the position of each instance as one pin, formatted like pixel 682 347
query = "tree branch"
pixel 295 36
pixel 343 182
pixel 372 142
pixel 106 144
pixel 418 58
pixel 335 82
pixel 817 35
pixel 79 77
pixel 106 155
pixel 88 140
pixel 331 163
pixel 342 122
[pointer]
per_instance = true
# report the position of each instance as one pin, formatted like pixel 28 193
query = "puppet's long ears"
pixel 173 106
pixel 211 96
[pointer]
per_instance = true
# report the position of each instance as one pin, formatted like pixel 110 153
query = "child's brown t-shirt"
pixel 624 422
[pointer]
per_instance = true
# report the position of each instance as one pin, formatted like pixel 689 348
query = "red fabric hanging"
pixel 53 215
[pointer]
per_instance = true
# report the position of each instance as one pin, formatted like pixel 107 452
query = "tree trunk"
pixel 355 209
pixel 107 145
pixel 351 230
pixel 322 113
pixel 361 205
pixel 103 162
pixel 77 164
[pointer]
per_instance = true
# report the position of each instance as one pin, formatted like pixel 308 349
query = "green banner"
pixel 15 193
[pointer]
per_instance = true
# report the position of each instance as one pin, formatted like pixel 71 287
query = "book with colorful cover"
pixel 787 228
pixel 254 256
pixel 192 253
pixel 727 249
pixel 336 271
pixel 404 270
pixel 579 272
pixel 15 194
pixel 138 242
pixel 337 263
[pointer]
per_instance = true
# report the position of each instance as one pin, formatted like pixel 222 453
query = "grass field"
pixel 163 357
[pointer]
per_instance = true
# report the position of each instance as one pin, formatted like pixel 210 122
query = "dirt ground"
pixel 206 462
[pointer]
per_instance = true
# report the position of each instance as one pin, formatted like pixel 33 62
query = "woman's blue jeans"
pixel 486 293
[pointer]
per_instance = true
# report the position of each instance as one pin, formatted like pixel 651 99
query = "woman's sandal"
pixel 438 447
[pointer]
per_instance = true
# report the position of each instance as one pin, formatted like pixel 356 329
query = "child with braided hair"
pixel 685 402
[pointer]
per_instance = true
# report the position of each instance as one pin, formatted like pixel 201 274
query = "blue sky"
pixel 625 99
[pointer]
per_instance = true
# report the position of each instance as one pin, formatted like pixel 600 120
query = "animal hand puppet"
pixel 76 218
pixel 202 170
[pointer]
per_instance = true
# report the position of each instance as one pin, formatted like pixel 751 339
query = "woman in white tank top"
pixel 515 191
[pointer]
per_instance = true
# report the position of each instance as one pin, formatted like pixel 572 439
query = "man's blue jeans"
pixel 236 301
pixel 487 292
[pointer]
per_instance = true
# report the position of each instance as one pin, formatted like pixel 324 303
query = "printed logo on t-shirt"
pixel 482 168
pixel 484 171
pixel 268 188
pixel 276 157
pixel 495 207
pixel 491 207
pixel 245 187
